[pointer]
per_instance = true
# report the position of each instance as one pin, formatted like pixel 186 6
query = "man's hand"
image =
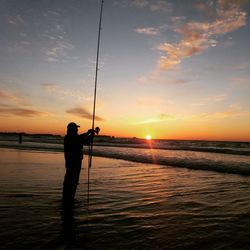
pixel 94 131
pixel 91 131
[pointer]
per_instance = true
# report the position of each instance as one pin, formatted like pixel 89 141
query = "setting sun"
pixel 156 96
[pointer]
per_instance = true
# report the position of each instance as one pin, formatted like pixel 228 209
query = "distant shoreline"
pixel 110 138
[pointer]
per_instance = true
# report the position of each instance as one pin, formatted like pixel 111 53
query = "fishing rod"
pixel 95 91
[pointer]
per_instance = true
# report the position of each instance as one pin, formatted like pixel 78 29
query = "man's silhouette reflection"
pixel 73 153
pixel 69 227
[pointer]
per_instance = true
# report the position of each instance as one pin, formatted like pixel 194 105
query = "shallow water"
pixel 226 157
pixel 132 206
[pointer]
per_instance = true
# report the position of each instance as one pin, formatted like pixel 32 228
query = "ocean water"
pixel 227 157
pixel 136 202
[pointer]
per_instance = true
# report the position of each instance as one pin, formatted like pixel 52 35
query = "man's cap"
pixel 72 125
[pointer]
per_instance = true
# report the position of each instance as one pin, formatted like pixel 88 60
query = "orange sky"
pixel 167 69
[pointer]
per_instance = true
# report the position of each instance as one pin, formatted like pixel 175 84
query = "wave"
pixel 234 151
pixel 236 167
pixel 172 158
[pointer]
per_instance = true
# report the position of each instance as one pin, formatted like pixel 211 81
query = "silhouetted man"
pixel 73 153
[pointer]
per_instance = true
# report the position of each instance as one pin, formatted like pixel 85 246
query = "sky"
pixel 172 69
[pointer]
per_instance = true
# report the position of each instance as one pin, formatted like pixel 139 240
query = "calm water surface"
pixel 132 206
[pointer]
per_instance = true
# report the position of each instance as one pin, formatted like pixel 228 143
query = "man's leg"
pixel 76 177
pixel 68 186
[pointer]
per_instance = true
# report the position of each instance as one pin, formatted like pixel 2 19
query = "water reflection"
pixel 69 226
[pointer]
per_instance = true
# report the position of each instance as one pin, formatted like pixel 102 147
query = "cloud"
pixel 232 111
pixel 215 98
pixel 51 13
pixel 147 31
pixel 178 19
pixel 177 52
pixel 7 111
pixel 50 87
pixel 57 45
pixel 151 31
pixel 159 118
pixel 12 104
pixel 218 98
pixel 15 20
pixel 211 99
pixel 83 113
pixel 152 5
pixel 57 90
pixel 10 97
pixel 59 51
pixel 154 76
pixel 199 36
pixel 242 81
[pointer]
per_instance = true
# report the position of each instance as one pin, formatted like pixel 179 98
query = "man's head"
pixel 72 127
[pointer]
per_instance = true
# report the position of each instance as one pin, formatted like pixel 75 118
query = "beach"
pixel 132 205
pixel 153 93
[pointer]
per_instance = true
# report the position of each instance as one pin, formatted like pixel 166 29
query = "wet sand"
pixel 132 206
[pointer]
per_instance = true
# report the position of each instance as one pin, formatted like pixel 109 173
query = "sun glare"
pixel 148 137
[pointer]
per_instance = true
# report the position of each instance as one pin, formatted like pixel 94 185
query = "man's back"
pixel 73 147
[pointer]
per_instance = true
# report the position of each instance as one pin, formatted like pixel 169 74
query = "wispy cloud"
pixel 24 112
pixel 57 90
pixel 13 104
pixel 152 5
pixel 57 44
pixel 83 113
pixel 8 96
pixel 211 99
pixel 51 13
pixel 231 111
pixel 15 20
pixel 177 19
pixel 217 98
pixel 155 76
pixel 59 51
pixel 152 31
pixel 147 31
pixel 242 81
pixel 50 87
pixel 49 32
pixel 199 36
pixel 159 118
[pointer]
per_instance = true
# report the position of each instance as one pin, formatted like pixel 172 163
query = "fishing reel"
pixel 97 130
pixel 94 131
